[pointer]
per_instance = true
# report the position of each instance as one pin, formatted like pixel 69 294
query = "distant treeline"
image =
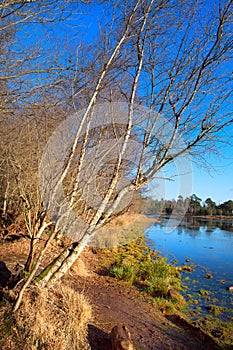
pixel 192 206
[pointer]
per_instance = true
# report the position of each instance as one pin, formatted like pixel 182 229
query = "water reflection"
pixel 194 226
pixel 209 224
pixel 206 243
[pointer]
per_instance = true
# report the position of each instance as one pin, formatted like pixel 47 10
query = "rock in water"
pixel 121 338
pixel 230 288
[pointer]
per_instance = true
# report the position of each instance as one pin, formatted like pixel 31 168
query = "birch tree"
pixel 180 66
pixel 168 66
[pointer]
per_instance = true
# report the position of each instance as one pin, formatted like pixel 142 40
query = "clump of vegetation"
pixel 204 292
pixel 214 300
pixel 187 278
pixel 166 306
pixel 140 265
pixel 222 281
pixel 158 276
pixel 187 268
pixel 216 309
pixel 124 272
pixel 220 331
pixel 193 302
pixel 54 318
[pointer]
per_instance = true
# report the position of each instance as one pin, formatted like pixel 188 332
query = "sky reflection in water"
pixel 206 243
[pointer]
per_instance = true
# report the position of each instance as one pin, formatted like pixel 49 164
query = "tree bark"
pixel 62 263
pixel 33 272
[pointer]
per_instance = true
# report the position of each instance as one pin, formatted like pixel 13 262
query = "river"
pixel 208 245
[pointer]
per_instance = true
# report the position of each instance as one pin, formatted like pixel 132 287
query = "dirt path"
pixel 114 303
pixel 118 303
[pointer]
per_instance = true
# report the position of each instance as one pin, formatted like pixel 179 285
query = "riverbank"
pixel 132 218
pixel 115 302
pixel 212 217
pixel 118 302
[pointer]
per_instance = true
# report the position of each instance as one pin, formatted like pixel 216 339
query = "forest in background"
pixel 195 205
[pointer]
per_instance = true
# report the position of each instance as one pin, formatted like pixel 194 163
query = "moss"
pixel 45 271
pixel 216 310
pixel 220 331
pixel 203 292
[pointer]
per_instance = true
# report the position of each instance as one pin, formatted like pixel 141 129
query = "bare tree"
pixel 180 66
pixel 168 70
pixel 36 68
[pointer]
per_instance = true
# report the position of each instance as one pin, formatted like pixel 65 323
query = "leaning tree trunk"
pixel 62 263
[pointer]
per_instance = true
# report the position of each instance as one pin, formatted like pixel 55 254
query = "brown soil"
pixel 115 303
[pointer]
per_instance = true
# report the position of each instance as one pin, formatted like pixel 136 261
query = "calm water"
pixel 207 244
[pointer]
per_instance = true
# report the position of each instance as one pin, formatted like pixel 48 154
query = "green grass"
pixel 139 265
pixel 124 272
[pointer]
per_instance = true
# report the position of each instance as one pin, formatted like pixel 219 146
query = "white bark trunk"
pixel 62 264
pixel 70 255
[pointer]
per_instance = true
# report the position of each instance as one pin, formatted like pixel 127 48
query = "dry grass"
pixel 130 218
pixel 79 268
pixel 54 318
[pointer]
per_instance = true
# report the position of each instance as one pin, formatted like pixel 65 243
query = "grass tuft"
pixel 51 318
pixel 140 265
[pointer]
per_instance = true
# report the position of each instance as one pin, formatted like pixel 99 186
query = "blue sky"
pixel 216 183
